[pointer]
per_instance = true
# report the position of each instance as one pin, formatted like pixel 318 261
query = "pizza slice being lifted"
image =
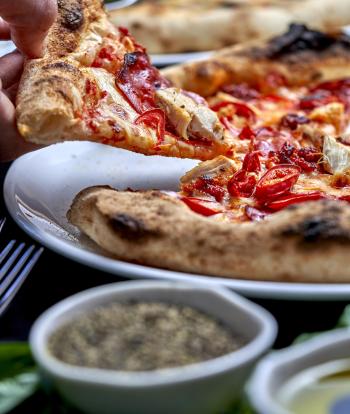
pixel 95 82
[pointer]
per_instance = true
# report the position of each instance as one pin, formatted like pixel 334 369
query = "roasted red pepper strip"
pixel 239 109
pixel 276 182
pixel 202 207
pixel 290 199
pixel 317 99
pixel 247 133
pixel 208 186
pixel 154 118
pixel 251 162
pixel 241 184
pixel 333 86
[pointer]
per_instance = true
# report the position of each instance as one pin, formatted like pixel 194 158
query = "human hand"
pixel 26 22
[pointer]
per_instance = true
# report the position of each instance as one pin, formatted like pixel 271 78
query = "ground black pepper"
pixel 141 336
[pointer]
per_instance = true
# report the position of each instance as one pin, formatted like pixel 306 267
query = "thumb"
pixel 29 22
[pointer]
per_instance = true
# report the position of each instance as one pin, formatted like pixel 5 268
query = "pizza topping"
pixel 276 182
pixel 306 158
pixel 242 91
pixel 235 108
pixel 251 162
pixel 332 113
pixel 188 118
pixel 138 81
pixel 203 207
pixel 290 199
pixel 247 133
pixel 255 214
pixel 242 184
pixel 336 156
pixel 339 88
pixel 315 100
pixel 292 121
pixel 219 166
pixel 154 118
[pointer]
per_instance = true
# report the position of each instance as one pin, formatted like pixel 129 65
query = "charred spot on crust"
pixel 62 66
pixel 299 38
pixel 52 79
pixel 72 14
pixel 129 227
pixel 230 4
pixel 317 229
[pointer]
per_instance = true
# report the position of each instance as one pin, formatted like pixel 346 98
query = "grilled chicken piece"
pixel 220 165
pixel 336 156
pixel 190 119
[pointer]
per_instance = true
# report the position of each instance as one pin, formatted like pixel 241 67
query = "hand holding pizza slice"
pixel 96 82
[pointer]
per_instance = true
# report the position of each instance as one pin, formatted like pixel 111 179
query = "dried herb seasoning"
pixel 142 336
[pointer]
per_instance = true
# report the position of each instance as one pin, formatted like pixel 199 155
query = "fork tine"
pixel 6 250
pixel 11 276
pixel 10 261
pixel 15 283
pixel 2 222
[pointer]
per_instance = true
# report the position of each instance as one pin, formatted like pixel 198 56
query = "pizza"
pixel 273 207
pixel 95 82
pixel 174 26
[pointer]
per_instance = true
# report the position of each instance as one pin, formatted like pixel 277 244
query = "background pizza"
pixel 181 26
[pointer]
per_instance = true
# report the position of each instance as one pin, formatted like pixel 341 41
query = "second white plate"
pixel 40 186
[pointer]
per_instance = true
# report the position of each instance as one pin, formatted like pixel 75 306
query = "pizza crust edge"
pixel 250 61
pixel 52 88
pixel 298 244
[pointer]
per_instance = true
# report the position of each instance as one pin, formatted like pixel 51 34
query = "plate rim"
pixel 249 288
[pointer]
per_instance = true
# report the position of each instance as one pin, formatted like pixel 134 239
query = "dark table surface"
pixel 55 278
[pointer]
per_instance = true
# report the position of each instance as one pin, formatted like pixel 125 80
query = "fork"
pixel 20 260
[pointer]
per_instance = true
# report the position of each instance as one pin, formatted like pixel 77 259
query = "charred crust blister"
pixel 299 38
pixel 318 229
pixel 64 66
pixel 129 227
pixel 72 15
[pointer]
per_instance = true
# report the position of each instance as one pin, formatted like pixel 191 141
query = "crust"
pixel 298 244
pixel 51 89
pixel 254 60
pixel 182 27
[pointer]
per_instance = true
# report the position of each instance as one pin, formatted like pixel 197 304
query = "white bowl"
pixel 277 368
pixel 198 388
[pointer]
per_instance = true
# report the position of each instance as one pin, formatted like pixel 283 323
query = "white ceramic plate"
pixel 176 58
pixel 40 186
pixel 119 4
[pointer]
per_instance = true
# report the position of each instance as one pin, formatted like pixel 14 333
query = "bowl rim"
pixel 259 389
pixel 147 379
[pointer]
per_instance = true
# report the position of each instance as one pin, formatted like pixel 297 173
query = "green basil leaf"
pixel 15 358
pixel 18 377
